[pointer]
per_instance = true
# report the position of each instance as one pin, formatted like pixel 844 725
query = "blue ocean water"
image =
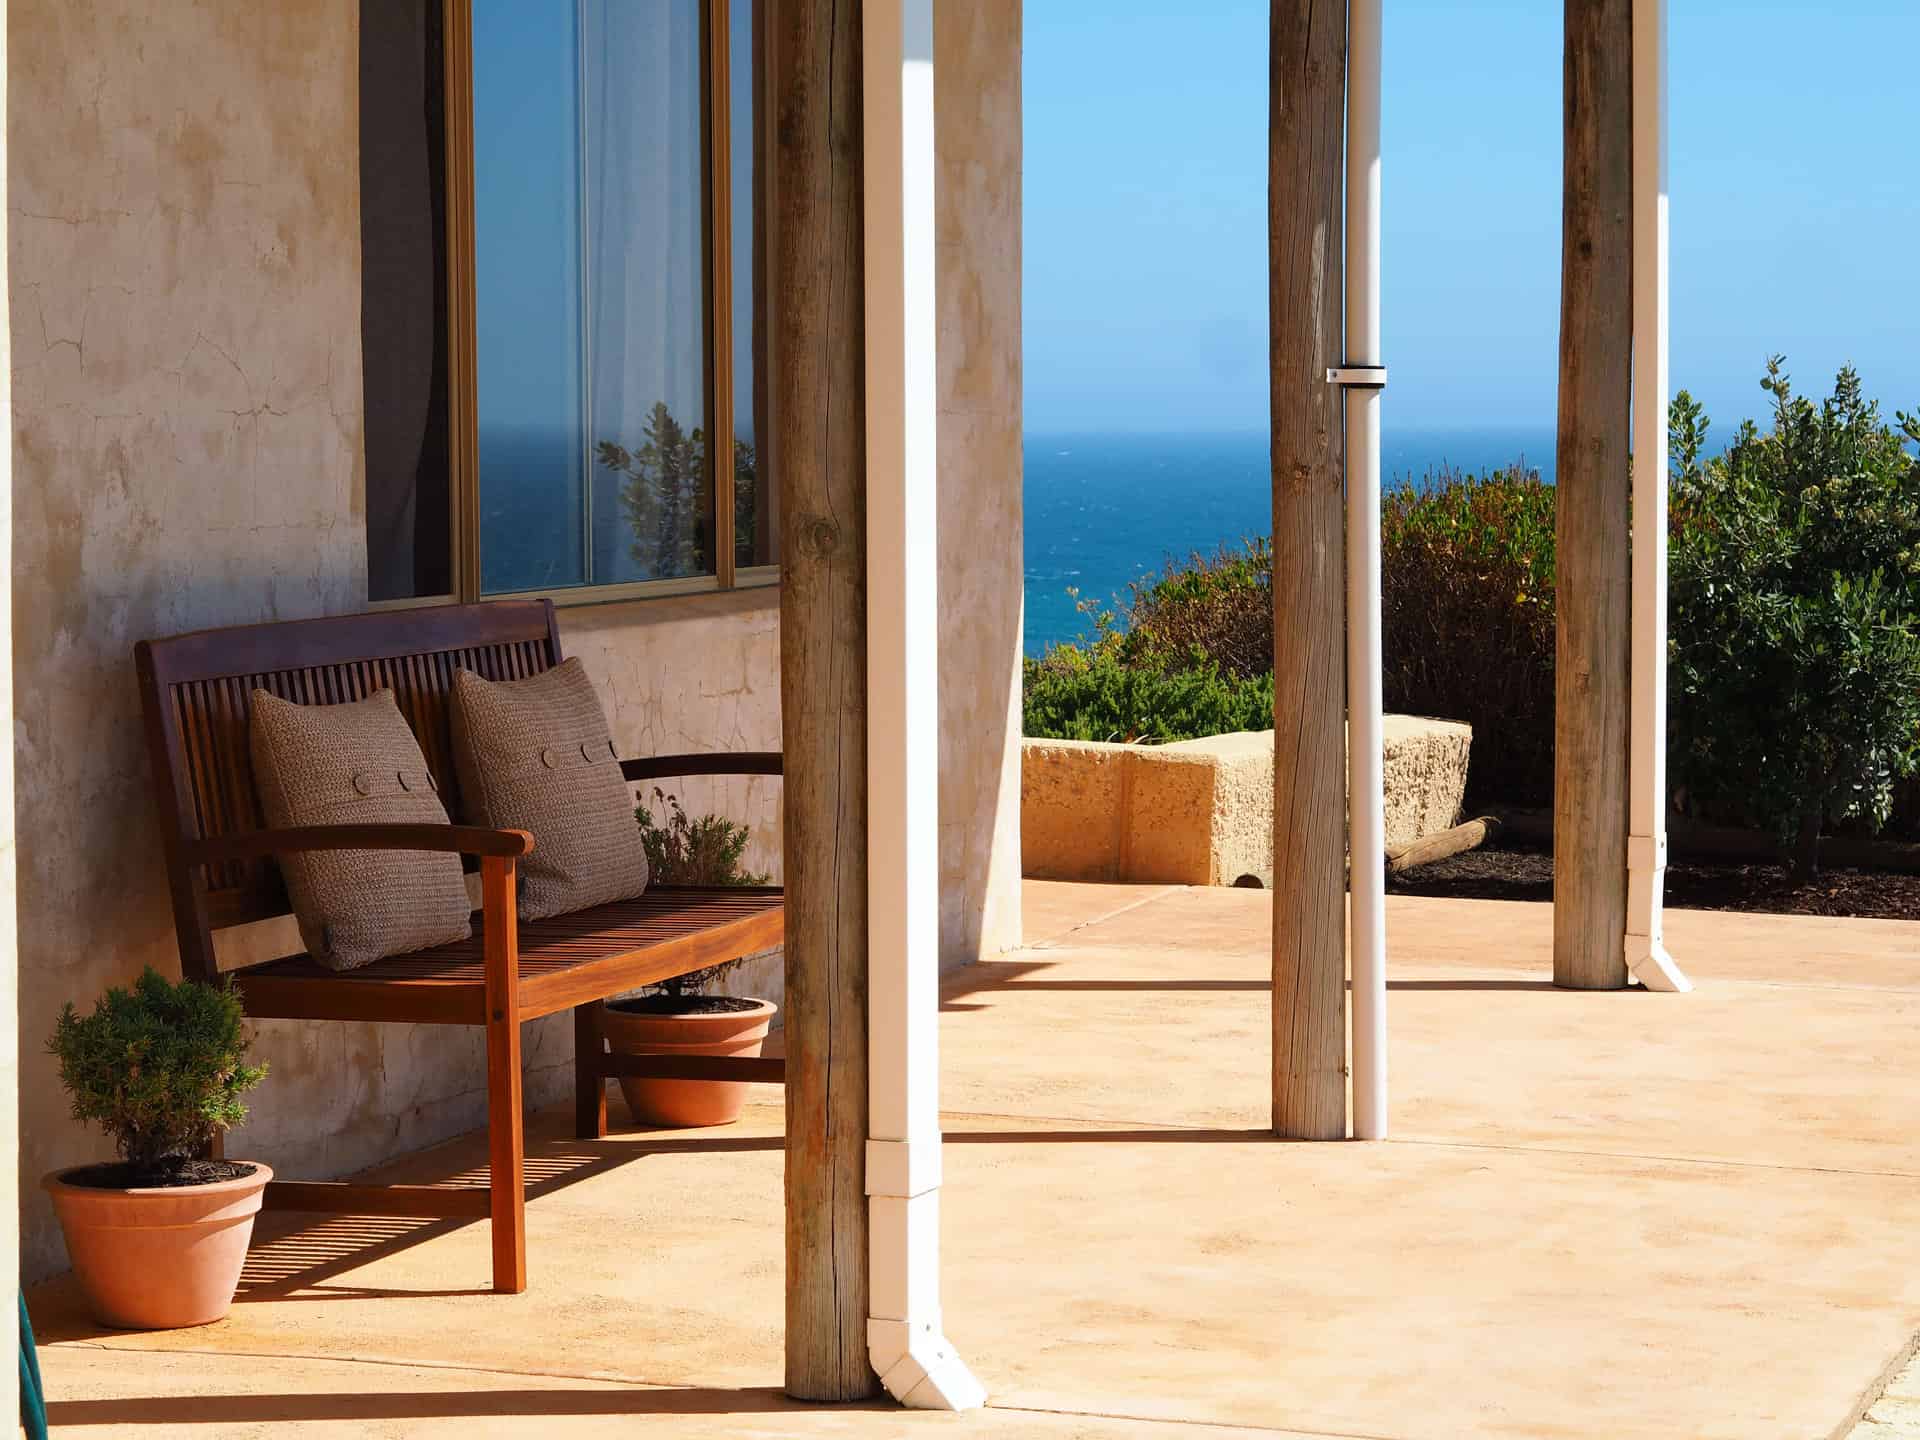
pixel 1104 510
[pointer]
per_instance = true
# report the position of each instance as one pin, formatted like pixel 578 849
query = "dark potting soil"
pixel 119 1175
pixel 1513 871
pixel 684 1005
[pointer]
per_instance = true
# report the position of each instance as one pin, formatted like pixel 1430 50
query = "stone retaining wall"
pixel 1200 812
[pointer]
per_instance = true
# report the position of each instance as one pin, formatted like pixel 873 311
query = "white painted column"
pixel 905 1338
pixel 1646 957
pixel 1362 377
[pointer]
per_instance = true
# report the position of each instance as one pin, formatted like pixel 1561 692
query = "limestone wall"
pixel 1200 812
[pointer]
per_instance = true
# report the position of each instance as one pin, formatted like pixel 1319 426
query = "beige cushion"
pixel 356 764
pixel 535 755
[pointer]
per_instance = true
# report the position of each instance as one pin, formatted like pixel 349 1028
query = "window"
pixel 563 319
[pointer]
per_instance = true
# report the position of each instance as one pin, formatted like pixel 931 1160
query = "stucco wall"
pixel 982 569
pixel 184 256
pixel 188 451
pixel 184 298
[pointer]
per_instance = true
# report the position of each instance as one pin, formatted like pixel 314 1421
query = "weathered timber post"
pixel 1591 692
pixel 819 422
pixel 1305 164
pixel 9 938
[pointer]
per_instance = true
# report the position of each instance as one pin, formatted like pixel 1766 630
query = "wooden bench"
pixel 196 690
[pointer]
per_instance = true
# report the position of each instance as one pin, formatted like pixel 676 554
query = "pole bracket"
pixel 1358 377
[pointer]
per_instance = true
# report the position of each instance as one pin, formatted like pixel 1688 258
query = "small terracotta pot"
pixel 159 1258
pixel 684 1104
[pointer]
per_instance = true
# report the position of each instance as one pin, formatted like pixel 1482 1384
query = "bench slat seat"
pixel 665 932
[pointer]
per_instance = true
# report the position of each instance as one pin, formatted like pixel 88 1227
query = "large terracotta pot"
pixel 683 1104
pixel 159 1258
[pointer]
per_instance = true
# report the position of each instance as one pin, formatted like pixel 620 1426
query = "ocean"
pixel 1104 510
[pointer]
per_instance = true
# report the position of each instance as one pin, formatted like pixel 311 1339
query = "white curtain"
pixel 645 298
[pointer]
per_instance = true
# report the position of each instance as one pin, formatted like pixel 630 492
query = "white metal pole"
pixel 1366 845
pixel 1647 958
pixel 905 1339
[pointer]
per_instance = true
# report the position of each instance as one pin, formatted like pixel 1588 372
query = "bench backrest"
pixel 197 692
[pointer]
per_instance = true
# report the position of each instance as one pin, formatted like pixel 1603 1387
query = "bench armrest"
pixel 459 839
pixel 743 762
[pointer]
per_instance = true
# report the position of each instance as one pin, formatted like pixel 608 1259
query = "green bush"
pixel 1219 605
pixel 160 1068
pixel 1795 573
pixel 1795 665
pixel 1080 695
pixel 685 851
pixel 1467 620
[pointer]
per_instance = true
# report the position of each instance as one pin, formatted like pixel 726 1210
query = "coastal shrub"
pixel 1794 685
pixel 682 850
pixel 1467 620
pixel 1096 694
pixel 161 1068
pixel 1220 605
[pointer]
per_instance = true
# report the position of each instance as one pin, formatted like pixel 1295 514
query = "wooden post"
pixel 1591 693
pixel 506 1143
pixel 819 424
pixel 1305 164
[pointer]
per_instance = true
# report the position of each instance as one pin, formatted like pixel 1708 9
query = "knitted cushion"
pixel 535 755
pixel 356 764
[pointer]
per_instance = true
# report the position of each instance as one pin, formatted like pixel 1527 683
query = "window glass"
pixel 590 303
pixel 647 303
pixel 756 520
pixel 403 307
pixel 529 362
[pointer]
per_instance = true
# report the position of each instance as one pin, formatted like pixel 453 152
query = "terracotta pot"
pixel 159 1258
pixel 684 1104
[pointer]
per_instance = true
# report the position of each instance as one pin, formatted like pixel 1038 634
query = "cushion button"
pixel 361 783
pixel 401 776
pixel 585 753
pixel 548 758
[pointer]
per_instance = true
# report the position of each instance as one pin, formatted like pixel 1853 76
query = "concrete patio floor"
pixel 1609 1215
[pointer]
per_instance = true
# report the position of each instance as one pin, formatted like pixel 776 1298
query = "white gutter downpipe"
pixel 1647 958
pixel 905 1342
pixel 1362 378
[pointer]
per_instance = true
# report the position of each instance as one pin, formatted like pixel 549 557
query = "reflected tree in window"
pixel 660 493
pixel 746 470
pixel 661 490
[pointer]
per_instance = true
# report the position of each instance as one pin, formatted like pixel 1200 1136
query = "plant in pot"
pixel 158 1237
pixel 678 1016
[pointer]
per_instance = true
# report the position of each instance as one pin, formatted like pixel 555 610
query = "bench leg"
pixel 589 1085
pixel 506 1154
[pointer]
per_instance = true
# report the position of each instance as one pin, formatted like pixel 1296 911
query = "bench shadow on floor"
pixel 368 1407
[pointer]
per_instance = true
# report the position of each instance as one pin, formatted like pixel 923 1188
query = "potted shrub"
pixel 678 1017
pixel 158 1237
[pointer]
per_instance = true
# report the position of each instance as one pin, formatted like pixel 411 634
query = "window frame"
pixel 463 417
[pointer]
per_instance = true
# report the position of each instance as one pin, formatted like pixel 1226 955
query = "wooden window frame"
pixel 463 417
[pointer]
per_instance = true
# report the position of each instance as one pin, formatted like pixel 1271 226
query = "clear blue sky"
pixel 1795 190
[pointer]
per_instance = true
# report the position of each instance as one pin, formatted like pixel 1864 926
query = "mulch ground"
pixel 1514 872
